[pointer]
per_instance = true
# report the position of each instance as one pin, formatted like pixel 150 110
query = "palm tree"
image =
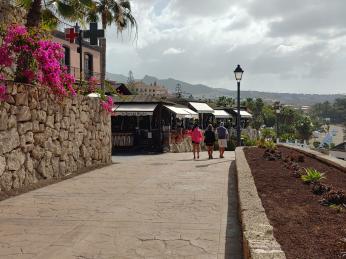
pixel 49 13
pixel 110 12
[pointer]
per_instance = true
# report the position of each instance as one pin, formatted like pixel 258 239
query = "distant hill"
pixel 203 91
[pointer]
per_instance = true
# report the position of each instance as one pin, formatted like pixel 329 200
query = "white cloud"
pixel 291 45
pixel 173 51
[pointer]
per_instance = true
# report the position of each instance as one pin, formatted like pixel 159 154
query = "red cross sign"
pixel 70 35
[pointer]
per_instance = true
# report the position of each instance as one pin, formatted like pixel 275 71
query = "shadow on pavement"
pixel 233 246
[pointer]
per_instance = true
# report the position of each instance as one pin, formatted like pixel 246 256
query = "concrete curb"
pixel 258 238
pixel 338 163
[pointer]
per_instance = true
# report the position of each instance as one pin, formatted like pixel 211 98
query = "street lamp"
pixel 238 73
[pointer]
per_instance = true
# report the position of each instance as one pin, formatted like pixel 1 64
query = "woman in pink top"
pixel 196 137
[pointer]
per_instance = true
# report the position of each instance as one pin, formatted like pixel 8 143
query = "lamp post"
pixel 277 111
pixel 238 73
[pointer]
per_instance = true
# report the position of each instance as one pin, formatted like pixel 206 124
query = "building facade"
pixel 91 58
pixel 155 90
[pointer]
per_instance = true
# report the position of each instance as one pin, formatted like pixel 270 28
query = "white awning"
pixel 182 112
pixel 201 107
pixel 221 114
pixel 134 109
pixel 243 114
pixel 193 114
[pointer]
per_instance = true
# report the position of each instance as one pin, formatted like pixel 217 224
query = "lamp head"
pixel 238 73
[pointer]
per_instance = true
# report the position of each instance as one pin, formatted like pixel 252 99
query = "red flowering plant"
pixel 28 56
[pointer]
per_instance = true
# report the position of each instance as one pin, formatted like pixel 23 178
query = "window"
pixel 88 65
pixel 67 58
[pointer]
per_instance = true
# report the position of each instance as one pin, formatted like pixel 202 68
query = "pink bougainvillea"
pixel 92 84
pixel 36 59
pixel 33 58
pixel 108 104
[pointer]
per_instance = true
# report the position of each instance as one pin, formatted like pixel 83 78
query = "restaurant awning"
pixel 221 114
pixel 182 112
pixel 134 109
pixel 201 107
pixel 193 114
pixel 243 114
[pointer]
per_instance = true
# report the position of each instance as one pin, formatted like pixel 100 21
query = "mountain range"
pixel 200 91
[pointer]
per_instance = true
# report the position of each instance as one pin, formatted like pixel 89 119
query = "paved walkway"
pixel 160 206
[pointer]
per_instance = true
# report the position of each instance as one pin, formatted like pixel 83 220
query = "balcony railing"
pixel 83 75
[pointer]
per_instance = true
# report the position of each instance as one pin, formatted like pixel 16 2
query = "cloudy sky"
pixel 283 46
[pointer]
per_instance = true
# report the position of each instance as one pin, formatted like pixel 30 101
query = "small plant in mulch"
pixel 295 158
pixel 334 197
pixel 312 176
pixel 272 154
pixel 297 173
pixel 339 208
pixel 320 188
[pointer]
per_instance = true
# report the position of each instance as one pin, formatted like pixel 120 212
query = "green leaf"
pixel 65 10
pixel 24 3
pixel 49 20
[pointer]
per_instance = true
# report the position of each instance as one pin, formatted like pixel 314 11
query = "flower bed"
pixel 302 225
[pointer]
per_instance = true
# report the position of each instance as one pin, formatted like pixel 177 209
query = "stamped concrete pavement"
pixel 158 206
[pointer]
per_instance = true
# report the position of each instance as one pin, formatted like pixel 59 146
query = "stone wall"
pixel 41 138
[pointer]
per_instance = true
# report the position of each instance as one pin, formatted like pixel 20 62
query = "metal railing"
pixel 83 75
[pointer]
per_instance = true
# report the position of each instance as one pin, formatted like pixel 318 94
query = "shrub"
pixel 336 197
pixel 312 176
pixel 266 144
pixel 320 188
pixel 231 146
pixel 316 144
pixel 272 154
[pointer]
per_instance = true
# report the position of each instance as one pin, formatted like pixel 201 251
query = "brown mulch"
pixel 304 228
pixel 45 182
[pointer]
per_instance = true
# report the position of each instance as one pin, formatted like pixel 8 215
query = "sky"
pixel 296 46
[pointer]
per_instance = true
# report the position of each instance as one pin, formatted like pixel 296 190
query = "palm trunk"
pixel 103 52
pixel 103 62
pixel 33 17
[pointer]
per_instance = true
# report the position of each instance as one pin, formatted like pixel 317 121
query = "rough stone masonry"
pixel 41 138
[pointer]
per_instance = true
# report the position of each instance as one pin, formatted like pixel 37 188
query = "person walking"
pixel 209 140
pixel 222 134
pixel 196 137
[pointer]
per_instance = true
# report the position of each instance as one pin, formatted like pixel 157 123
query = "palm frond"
pixel 125 4
pixel 24 3
pixel 65 10
pixel 49 20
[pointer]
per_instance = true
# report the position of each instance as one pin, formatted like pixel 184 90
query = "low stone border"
pixel 338 163
pixel 258 238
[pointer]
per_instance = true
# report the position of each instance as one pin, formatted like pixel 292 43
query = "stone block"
pixel 41 116
pixel 22 98
pixel 12 122
pixel 50 121
pixel 15 160
pixel 40 139
pixel 9 140
pixel 38 152
pixel 6 181
pixel 2 165
pixel 35 126
pixel 29 163
pixel 23 113
pixel 3 119
pixel 24 127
